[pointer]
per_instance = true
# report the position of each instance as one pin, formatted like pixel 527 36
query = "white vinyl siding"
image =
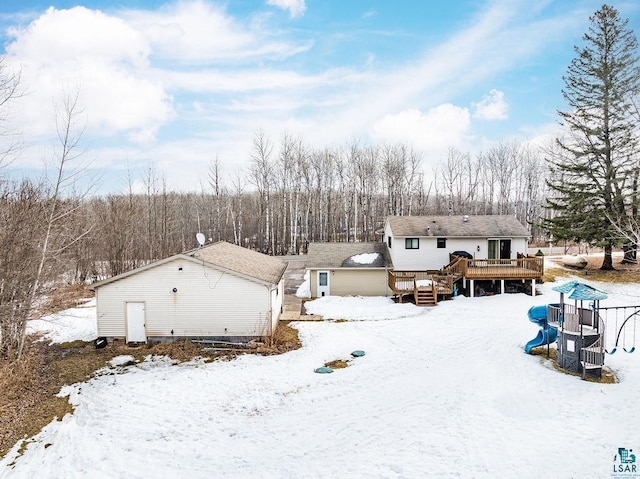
pixel 430 257
pixel 207 302
pixel 277 298
pixel 353 281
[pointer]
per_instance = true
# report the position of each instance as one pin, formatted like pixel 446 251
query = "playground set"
pixel 584 331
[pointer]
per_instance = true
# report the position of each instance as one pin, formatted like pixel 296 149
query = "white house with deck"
pixel 446 249
pixel 217 291
pixel 425 242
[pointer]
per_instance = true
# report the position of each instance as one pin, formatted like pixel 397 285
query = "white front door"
pixel 136 332
pixel 323 283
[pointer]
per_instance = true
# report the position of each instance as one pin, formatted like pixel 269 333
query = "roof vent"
pixel 465 218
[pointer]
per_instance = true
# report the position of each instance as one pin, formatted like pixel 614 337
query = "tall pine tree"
pixel 592 170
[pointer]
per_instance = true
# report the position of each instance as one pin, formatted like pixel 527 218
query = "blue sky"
pixel 175 84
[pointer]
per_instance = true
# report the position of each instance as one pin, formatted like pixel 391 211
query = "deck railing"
pixel 518 268
pixel 457 267
pixel 404 280
pixel 443 284
pixel 506 268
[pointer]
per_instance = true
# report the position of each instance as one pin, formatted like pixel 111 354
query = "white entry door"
pixel 323 283
pixel 136 332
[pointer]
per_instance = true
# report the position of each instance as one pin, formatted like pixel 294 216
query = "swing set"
pixel 621 332
pixel 581 323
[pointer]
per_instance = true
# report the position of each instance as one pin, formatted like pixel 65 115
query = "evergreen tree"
pixel 592 170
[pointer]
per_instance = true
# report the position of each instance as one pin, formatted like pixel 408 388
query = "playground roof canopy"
pixel 580 291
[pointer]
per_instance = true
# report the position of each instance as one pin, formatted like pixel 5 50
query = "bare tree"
pixel 293 162
pixel 451 175
pixel 235 206
pixel 347 188
pixel 530 175
pixel 9 91
pixel 415 196
pixel 366 179
pixel 215 181
pixel 22 215
pixel 394 172
pixel 319 187
pixel 68 167
pixel 261 175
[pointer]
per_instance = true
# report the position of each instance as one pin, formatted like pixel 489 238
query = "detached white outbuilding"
pixel 217 291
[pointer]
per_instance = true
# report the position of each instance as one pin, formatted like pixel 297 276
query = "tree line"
pixel 288 197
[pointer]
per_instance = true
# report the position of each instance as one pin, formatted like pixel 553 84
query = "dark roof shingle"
pixel 242 260
pixel 337 255
pixel 483 226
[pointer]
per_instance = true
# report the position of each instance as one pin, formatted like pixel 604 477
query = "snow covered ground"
pixel 444 392
pixel 70 325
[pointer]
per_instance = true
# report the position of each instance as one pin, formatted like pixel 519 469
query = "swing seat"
pixel 613 351
pixel 623 332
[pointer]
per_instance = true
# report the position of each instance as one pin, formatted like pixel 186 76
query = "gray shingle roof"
pixel 455 226
pixel 336 255
pixel 242 260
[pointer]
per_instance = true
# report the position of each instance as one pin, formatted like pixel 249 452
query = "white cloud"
pixel 222 77
pixel 246 80
pixel 296 7
pixel 182 162
pixel 79 32
pixel 492 107
pixel 542 135
pixel 103 57
pixel 125 64
pixel 502 32
pixel 201 32
pixel 437 128
pixel 442 72
pixel 190 31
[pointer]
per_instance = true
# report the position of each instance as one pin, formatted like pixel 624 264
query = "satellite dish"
pixel 200 239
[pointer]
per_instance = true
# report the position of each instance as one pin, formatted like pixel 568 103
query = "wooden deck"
pixel 521 268
pixel 425 286
pixel 442 281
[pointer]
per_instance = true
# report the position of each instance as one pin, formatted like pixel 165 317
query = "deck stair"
pixel 404 282
pixel 455 268
pixel 425 296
